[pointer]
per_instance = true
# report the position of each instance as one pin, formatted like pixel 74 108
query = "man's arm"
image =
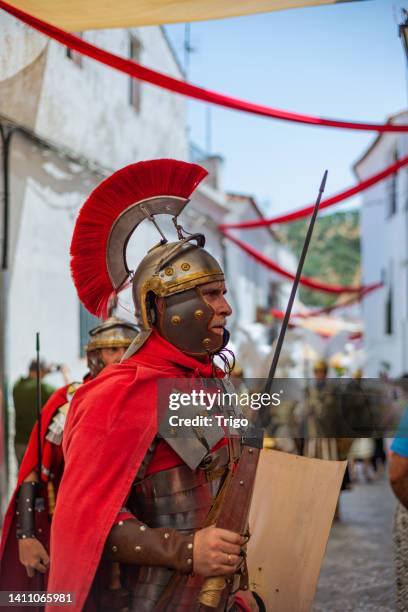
pixel 398 475
pixel 209 552
pixel 32 553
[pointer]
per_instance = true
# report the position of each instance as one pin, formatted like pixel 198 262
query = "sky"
pixel 342 61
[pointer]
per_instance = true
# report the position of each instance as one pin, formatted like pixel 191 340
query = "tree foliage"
pixel 333 256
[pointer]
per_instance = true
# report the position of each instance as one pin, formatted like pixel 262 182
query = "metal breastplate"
pixel 180 498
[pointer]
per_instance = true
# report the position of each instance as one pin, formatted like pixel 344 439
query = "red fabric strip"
pixel 305 281
pixel 186 89
pixel 305 212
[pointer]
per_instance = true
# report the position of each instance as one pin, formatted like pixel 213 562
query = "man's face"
pixel 214 295
pixel 112 355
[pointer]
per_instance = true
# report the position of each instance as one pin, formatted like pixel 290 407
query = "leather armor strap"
pixel 25 511
pixel 133 543
pixel 147 458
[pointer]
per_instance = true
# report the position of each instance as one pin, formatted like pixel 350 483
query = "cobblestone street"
pixel 357 573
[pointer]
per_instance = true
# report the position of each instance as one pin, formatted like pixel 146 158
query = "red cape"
pixel 111 424
pixel 13 576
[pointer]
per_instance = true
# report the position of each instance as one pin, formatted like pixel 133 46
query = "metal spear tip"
pixel 323 183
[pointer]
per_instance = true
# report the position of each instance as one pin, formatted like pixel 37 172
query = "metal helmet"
pixel 173 271
pixel 112 333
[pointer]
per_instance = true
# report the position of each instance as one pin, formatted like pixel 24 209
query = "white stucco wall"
pixel 384 252
pixel 251 281
pixel 88 108
pixel 85 109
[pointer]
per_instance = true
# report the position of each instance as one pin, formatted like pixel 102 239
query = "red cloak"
pixel 111 424
pixel 13 576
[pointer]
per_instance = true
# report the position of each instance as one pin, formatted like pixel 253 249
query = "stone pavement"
pixel 357 573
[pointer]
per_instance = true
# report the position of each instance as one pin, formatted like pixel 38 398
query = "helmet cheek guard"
pixel 184 321
pixel 95 362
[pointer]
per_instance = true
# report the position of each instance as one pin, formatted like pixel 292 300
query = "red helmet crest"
pixel 124 190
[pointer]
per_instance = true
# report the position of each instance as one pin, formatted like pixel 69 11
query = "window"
pixel 74 55
pixel 392 189
pixel 87 321
pixel 135 86
pixel 273 294
pixel 388 313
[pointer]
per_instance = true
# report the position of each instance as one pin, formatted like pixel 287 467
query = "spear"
pixel 39 501
pixel 295 285
pixel 38 398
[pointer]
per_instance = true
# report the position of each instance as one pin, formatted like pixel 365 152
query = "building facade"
pixel 384 255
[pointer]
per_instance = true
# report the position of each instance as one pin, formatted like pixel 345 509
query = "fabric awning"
pixel 330 326
pixel 78 15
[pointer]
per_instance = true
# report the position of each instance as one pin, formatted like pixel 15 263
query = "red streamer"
pixel 305 212
pixel 186 89
pixel 305 281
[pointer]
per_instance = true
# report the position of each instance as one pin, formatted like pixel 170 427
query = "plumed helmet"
pixel 173 271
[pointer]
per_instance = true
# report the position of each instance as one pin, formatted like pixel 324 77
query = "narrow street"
pixel 357 573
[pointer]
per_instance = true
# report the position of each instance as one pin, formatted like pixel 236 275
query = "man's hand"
pixel 217 552
pixel 33 556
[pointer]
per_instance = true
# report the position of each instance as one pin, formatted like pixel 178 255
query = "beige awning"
pixel 78 15
pixel 329 326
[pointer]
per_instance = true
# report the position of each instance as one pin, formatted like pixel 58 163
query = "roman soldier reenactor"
pixel 134 521
pixel 21 558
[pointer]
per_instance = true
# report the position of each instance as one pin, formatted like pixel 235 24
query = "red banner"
pixel 181 87
pixel 305 212
pixel 305 281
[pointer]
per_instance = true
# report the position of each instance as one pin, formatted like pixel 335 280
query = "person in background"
pixel 322 413
pixel 21 559
pixel 358 415
pixel 398 475
pixel 25 404
pixel 324 420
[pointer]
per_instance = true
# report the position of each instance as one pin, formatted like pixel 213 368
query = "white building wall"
pixel 250 280
pixel 88 108
pixel 42 296
pixel 85 109
pixel 384 251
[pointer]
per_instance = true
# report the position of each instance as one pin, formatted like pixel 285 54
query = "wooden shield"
pixel 291 514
